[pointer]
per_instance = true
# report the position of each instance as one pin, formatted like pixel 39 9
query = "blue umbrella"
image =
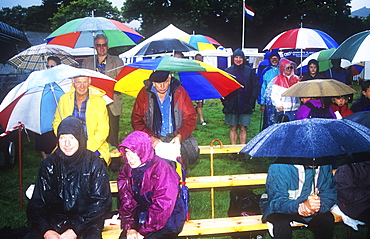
pixel 362 117
pixel 310 138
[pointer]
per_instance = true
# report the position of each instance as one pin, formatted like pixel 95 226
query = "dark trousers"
pixel 113 129
pixel 322 225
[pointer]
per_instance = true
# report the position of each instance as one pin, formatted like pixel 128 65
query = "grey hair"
pixel 101 36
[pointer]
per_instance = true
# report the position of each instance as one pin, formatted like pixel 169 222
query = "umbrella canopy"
pixel 34 101
pixel 362 117
pixel 323 58
pixel 80 33
pixel 355 49
pixel 202 81
pixel 319 88
pixel 302 38
pixel 163 46
pixel 310 138
pixel 201 42
pixel 35 58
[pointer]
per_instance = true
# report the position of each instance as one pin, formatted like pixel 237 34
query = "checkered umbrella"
pixel 35 57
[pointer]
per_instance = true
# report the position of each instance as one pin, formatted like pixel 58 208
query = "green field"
pixel 12 216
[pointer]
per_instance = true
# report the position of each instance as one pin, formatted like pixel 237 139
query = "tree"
pixel 84 8
pixel 222 20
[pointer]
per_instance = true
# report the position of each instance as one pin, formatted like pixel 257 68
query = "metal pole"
pixel 243 30
pixel 20 165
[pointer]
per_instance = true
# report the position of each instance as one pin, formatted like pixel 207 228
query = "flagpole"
pixel 243 30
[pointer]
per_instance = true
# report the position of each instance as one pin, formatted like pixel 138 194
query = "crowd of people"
pixel 72 193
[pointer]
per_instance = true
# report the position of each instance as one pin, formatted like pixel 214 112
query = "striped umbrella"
pixel 355 49
pixel 80 33
pixel 35 57
pixel 201 42
pixel 201 80
pixel 302 38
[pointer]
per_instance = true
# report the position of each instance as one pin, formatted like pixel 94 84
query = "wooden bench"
pixel 214 225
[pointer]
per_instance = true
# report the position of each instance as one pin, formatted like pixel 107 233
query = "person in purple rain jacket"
pixel 148 188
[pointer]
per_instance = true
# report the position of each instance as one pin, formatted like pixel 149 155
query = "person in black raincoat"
pixel 72 192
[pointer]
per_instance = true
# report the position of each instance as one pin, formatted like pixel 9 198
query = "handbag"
pixel 189 151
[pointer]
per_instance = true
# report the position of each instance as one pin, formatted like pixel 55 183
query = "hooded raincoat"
pixel 242 100
pixel 71 192
pixel 151 190
pixel 280 84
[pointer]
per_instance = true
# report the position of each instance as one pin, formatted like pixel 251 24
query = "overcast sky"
pixel 356 4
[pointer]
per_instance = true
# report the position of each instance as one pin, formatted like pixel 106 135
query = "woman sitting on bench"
pixel 148 188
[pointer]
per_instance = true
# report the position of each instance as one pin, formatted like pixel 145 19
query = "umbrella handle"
pixel 221 144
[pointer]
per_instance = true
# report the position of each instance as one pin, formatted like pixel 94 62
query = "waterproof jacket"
pixel 160 185
pixel 280 84
pixel 71 192
pixel 289 185
pixel 146 109
pixel 242 100
pixel 363 104
pixel 353 188
pixel 343 111
pixel 97 124
pixel 304 111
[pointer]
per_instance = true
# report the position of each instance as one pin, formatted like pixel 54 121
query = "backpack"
pixel 318 112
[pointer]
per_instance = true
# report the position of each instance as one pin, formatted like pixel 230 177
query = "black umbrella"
pixel 163 46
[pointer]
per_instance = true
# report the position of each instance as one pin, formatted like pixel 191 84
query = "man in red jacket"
pixel 163 110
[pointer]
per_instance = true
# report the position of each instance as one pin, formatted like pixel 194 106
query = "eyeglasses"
pixel 49 66
pixel 101 45
pixel 289 67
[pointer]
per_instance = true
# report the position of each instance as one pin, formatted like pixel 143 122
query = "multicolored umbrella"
pixel 163 46
pixel 302 38
pixel 323 58
pixel 80 33
pixel 355 49
pixel 35 58
pixel 202 81
pixel 201 42
pixel 34 101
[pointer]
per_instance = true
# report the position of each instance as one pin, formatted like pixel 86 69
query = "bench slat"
pixel 217 181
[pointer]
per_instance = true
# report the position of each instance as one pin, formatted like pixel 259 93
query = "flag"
pixel 248 11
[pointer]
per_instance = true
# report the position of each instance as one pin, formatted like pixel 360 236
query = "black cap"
pixel 159 76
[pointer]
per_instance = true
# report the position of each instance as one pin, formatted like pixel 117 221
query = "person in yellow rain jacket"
pixel 91 108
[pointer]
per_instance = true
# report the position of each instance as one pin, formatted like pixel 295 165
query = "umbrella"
pixel 319 88
pixel 323 58
pixel 201 42
pixel 35 57
pixel 80 33
pixel 362 117
pixel 33 102
pixel 163 46
pixel 302 38
pixel 310 138
pixel 355 48
pixel 202 81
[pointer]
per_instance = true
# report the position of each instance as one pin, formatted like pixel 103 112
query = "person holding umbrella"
pixel 286 106
pixel 301 193
pixel 164 110
pixel 110 66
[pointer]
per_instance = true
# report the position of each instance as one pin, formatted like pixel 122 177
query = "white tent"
pixel 169 32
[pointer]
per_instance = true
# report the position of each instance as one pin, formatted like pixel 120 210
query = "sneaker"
pixel 203 123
